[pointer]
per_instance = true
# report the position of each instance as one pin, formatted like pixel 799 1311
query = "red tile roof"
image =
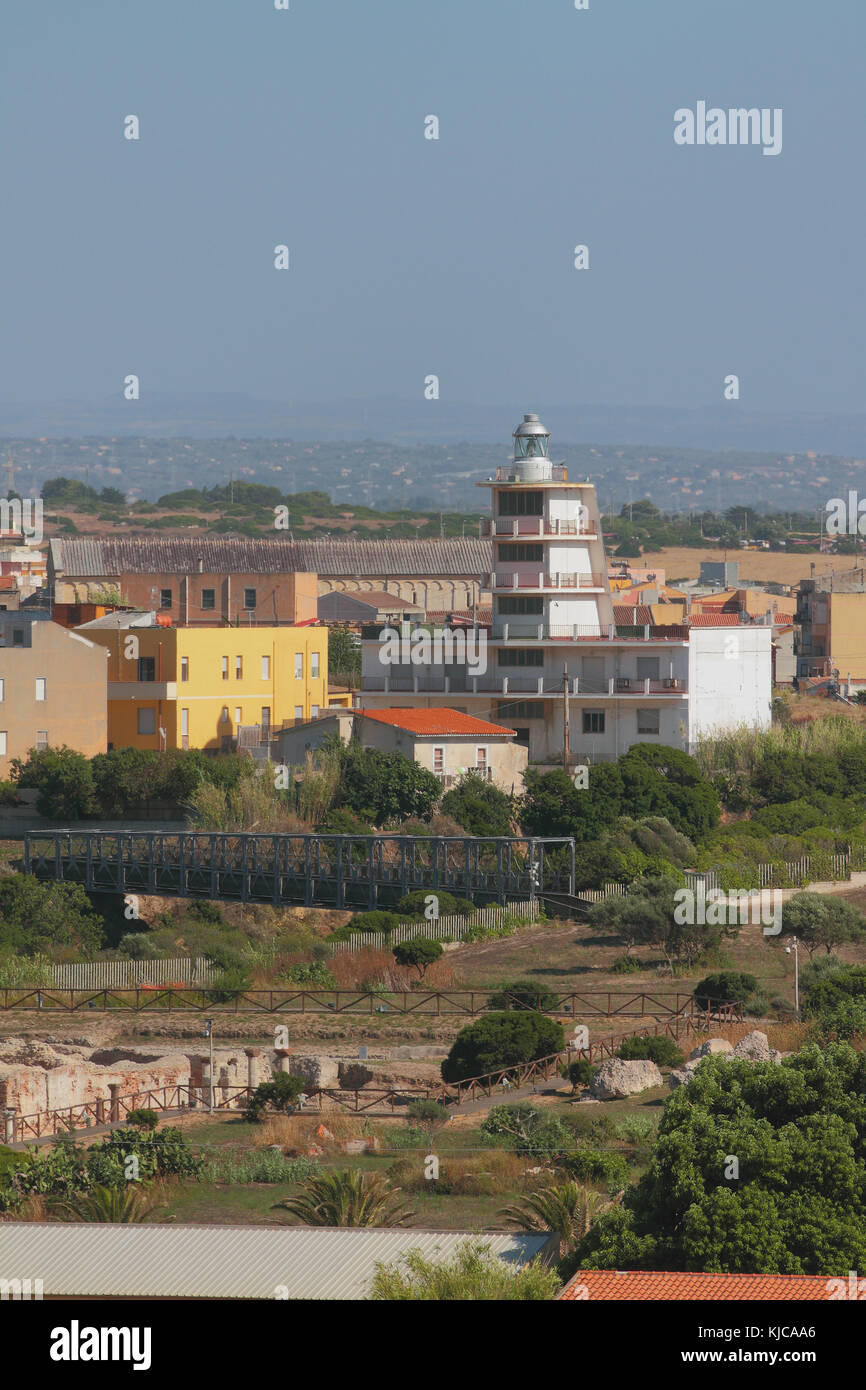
pixel 714 620
pixel 634 1286
pixel 437 722
pixel 632 615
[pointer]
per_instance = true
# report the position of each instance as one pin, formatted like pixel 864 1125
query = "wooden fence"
pixel 453 926
pixel 130 974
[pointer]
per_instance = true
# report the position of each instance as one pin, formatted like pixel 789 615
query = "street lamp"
pixel 788 950
pixel 208 1033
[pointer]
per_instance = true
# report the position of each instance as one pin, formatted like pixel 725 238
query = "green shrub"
pixel 660 1049
pixel 726 987
pixel 279 1094
pixel 430 1112
pixel 626 965
pixel 580 1073
pixel 501 1040
pixel 415 904
pixel 524 994
pixel 8 794
pixel 588 1165
pixel 376 921
pixel 143 1119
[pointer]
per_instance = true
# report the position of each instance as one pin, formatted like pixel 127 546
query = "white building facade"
pixel 554 645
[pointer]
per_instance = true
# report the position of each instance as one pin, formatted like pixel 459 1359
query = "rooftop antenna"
pixel 10 472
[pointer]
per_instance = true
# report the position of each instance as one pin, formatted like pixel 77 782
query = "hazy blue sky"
pixel 412 256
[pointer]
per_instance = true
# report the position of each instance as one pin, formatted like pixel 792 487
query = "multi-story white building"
pixel 555 644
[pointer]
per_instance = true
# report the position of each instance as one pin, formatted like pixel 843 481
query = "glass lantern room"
pixel 531 439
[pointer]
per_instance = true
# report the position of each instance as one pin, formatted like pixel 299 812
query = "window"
pixel 521 709
pixel 239 668
pixel 266 717
pixel 147 721
pixel 299 711
pixel 184 668
pixel 438 759
pixel 224 715
pixel 520 656
pixel 593 721
pixel 481 759
pixel 18 637
pixel 648 721
pixel 521 503
pixel 208 599
pixel 147 668
pixel 314 665
pixel 314 711
pixel 647 668
pixel 521 552
pixel 165 598
pixel 2 689
pixel 41 738
pixel 521 604
pixel 239 714
pixel 184 728
pixel 266 668
pixel 249 598
pixel 4 740
pixel 225 662
pixel 41 687
pixel 299 666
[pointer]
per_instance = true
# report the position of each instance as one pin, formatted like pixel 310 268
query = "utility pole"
pixel 566 727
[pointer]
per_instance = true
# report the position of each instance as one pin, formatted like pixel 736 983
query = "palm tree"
pixel 568 1211
pixel 347 1198
pixel 124 1204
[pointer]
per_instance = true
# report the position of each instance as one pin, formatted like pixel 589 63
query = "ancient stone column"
pixel 253 1054
pixel 224 1085
pixel 9 1124
pixel 283 1057
pixel 114 1088
pixel 100 1112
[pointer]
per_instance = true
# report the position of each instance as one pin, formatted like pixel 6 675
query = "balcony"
pixel 449 779
pixel 515 527
pixel 498 683
pixel 558 474
pixel 525 630
pixel 537 579
pixel 142 690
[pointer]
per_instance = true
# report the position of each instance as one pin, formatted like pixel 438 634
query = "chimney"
pixel 200 565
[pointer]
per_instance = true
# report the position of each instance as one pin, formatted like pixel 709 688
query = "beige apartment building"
pixel 53 689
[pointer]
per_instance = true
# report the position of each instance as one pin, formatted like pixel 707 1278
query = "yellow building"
pixel 204 687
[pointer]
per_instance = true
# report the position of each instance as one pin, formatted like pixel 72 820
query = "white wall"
pixel 730 679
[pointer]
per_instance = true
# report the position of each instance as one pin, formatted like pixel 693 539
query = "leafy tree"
pixel 580 1072
pixel 646 916
pixel 63 778
pixel 524 994
pixel 376 921
pixel 726 987
pixel 143 1119
pixel 36 916
pixel 554 806
pixel 526 1129
pixel 344 656
pixel 348 1198
pixel 385 787
pixel 820 919
pixel 418 953
pixel 279 1094
pixel 430 1112
pixel 58 490
pixel 480 807
pixel 798 1206
pixel 826 989
pixel 474 1274
pixel 501 1040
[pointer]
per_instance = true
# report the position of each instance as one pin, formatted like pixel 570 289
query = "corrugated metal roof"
pixel 86 557
pixel 152 1261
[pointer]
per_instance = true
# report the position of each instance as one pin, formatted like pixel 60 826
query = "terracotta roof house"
pixel 637 1286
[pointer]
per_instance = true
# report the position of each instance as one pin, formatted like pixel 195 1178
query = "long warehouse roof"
pixel 87 1260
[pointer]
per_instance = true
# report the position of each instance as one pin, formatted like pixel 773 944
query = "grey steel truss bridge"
pixel 343 871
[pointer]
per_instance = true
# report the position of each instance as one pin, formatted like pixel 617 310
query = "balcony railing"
pixel 525 630
pixel 517 526
pixel 497 683
pixel 537 579
pixel 558 474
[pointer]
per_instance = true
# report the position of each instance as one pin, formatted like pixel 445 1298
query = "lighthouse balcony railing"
pixel 550 527
pixel 507 474
pixel 537 579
